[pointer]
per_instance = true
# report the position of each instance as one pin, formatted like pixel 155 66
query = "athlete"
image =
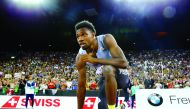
pixel 29 90
pixel 104 53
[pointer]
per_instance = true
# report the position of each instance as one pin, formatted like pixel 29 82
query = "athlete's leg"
pixel 27 98
pixel 123 82
pixel 101 95
pixel 110 84
pixel 32 98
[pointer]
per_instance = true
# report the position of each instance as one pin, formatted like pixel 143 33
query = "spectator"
pixel 22 83
pixel 51 84
pixel 43 86
pixel 158 84
pixel 171 66
pixel 74 84
pixel 133 91
pixel 63 84
pixel 1 86
pixel 187 85
pixel 93 84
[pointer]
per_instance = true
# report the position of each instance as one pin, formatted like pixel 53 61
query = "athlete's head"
pixel 30 77
pixel 85 33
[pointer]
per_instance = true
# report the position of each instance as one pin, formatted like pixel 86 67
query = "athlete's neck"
pixel 94 46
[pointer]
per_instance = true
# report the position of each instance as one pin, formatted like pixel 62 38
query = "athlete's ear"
pixel 93 34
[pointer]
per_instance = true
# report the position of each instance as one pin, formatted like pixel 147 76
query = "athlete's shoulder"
pixel 104 39
pixel 103 36
pixel 110 41
pixel 108 35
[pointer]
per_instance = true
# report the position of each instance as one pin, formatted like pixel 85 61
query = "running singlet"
pixel 102 52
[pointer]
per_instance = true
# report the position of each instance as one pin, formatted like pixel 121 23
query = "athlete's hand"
pixel 80 63
pixel 88 58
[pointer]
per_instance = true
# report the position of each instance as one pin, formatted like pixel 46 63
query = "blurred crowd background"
pixel 153 69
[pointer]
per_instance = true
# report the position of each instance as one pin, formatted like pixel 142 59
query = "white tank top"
pixel 102 51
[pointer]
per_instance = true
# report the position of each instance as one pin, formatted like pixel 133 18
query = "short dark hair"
pixel 85 24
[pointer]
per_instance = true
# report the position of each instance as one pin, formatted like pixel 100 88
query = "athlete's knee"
pixel 108 70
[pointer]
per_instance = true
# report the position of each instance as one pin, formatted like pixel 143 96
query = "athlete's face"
pixel 84 37
pixel 30 77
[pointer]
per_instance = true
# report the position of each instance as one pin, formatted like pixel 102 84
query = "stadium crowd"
pixel 57 71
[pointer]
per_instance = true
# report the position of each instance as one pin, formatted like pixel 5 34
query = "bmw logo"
pixel 155 99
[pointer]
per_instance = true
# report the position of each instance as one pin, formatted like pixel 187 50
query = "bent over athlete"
pixel 103 52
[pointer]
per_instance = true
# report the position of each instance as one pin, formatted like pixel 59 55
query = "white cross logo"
pixel 12 102
pixel 88 103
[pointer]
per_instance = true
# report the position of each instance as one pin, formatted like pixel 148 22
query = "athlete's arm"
pixel 118 58
pixel 81 81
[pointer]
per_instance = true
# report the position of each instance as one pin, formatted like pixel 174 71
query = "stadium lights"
pixel 28 3
pixel 147 7
pixel 169 12
pixel 32 5
pixel 12 57
pixel 145 1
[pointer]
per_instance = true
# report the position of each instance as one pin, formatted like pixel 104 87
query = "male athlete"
pixel 29 90
pixel 103 52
